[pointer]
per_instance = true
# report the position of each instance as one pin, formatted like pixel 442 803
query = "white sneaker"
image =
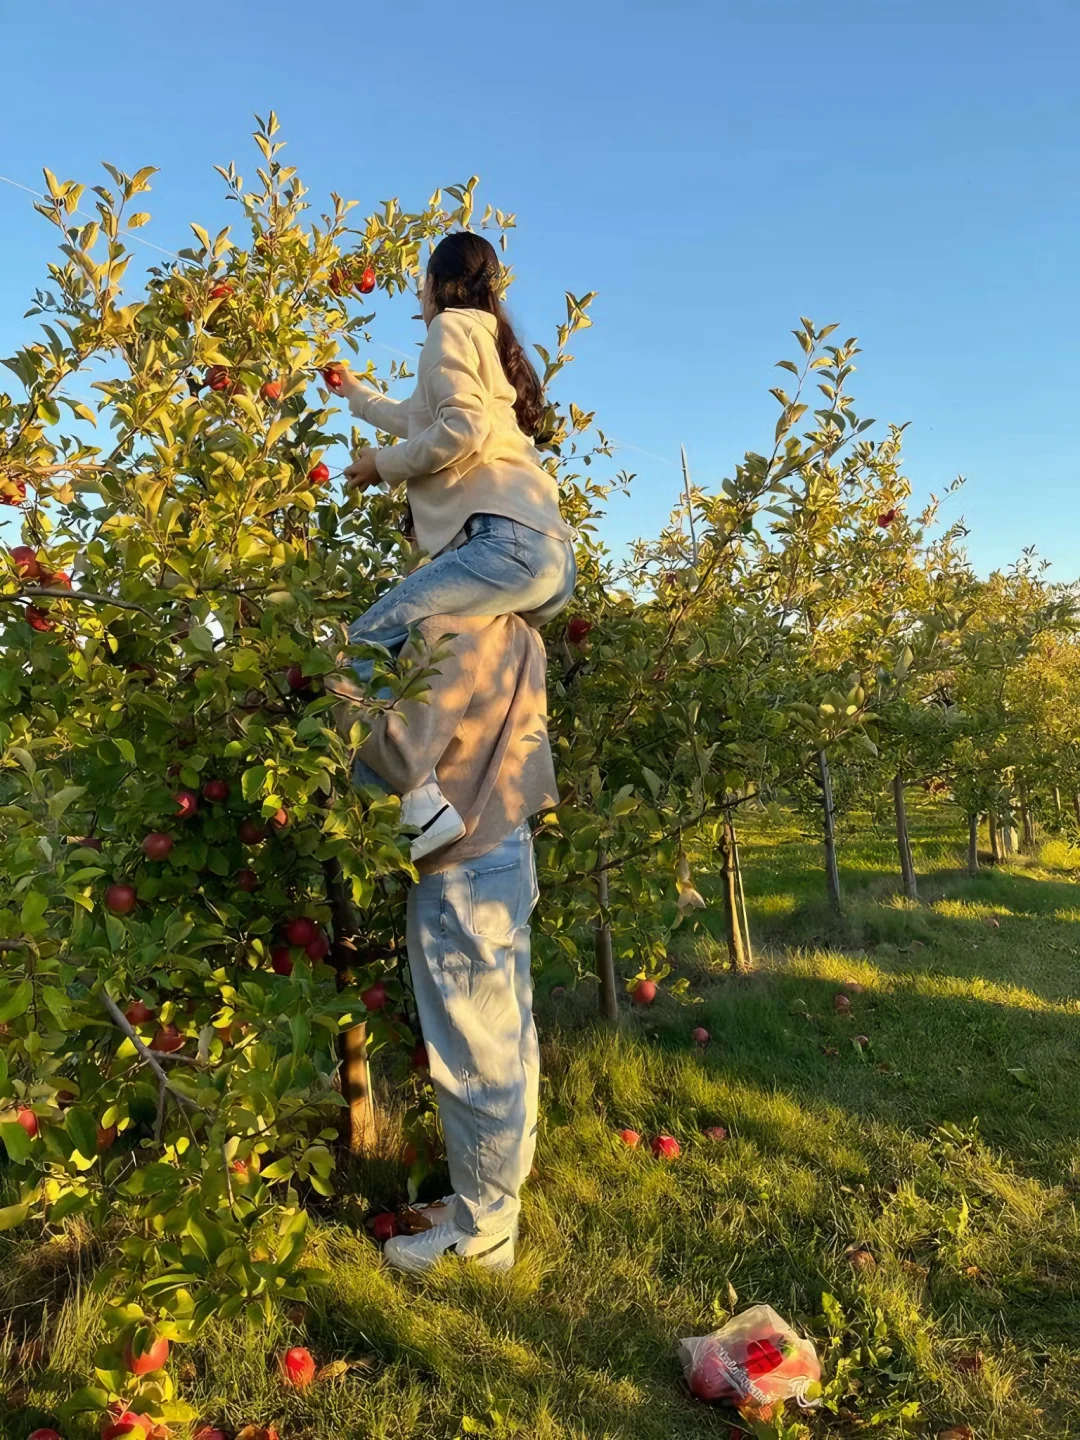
pixel 427 810
pixel 417 1254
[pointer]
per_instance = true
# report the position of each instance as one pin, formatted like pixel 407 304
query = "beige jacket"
pixel 482 725
pixel 463 452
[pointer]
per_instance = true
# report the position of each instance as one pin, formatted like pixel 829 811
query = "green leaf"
pixel 82 1127
pixel 15 999
pixel 253 781
pixel 16 1141
pixel 12 1215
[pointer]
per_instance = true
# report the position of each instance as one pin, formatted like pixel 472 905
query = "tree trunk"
pixel 605 962
pixel 973 844
pixel 356 1088
pixel 903 839
pixel 359 1116
pixel 1008 834
pixel 748 949
pixel 832 870
pixel 729 876
pixel 1026 821
pixel 1076 806
pixel 995 837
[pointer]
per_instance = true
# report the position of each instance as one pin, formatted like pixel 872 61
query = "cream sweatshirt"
pixel 482 725
pixel 462 452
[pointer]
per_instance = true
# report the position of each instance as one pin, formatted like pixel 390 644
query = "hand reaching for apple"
pixel 363 473
pixel 339 378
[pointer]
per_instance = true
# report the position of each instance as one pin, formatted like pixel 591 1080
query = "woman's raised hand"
pixel 362 473
pixel 338 377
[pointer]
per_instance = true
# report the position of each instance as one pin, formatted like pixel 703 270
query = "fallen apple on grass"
pixel 666 1147
pixel 841 1004
pixel 716 1133
pixel 700 1036
pixel 384 1227
pixel 297 1367
pixel 630 1137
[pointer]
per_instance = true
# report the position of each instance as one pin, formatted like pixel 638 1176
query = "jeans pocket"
pixel 495 908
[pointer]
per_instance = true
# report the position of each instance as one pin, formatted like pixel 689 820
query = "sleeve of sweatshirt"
pixel 407 743
pixel 379 409
pixel 449 373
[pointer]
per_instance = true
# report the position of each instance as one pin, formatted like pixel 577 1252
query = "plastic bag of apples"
pixel 755 1362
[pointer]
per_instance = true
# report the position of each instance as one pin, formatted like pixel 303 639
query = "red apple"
pixel 281 961
pixel 247 880
pixel 861 1041
pixel 168 1038
pixel 138 1013
pixel 218 378
pixel 187 804
pixel 152 1359
pixel 14 492
pixel 45 1433
pixel 699 1035
pixel 644 992
pixel 59 579
pixel 577 629
pixel 90 842
pixel 384 1227
pixel 319 474
pixel 296 679
pixel 630 1137
pixel 271 391
pixel 26 562
pixel 665 1147
pixel 106 1137
pixel 300 930
pixel 333 378
pixel 122 1424
pixel 419 1057
pixel 157 845
pixel 318 948
pixel 367 281
pixel 28 1120
pixel 374 997
pixel 339 282
pixel 886 518
pixel 715 1132
pixel 38 620
pixel 297 1367
pixel 841 1004
pixel 120 898
pixel 216 791
pixel 251 832
pixel 221 291
pixel 558 991
pixel 280 818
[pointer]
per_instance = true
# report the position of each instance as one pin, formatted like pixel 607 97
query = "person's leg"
pixel 467 935
pixel 502 568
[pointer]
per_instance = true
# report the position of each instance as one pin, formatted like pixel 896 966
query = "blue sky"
pixel 714 170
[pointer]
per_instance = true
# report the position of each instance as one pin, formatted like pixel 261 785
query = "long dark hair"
pixel 463 274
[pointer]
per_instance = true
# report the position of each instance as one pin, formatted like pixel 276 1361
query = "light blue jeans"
pixel 503 568
pixel 469 948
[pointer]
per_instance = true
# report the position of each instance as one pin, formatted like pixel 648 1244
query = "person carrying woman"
pixel 483 505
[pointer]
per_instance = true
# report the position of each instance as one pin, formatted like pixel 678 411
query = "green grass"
pixel 949 1147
